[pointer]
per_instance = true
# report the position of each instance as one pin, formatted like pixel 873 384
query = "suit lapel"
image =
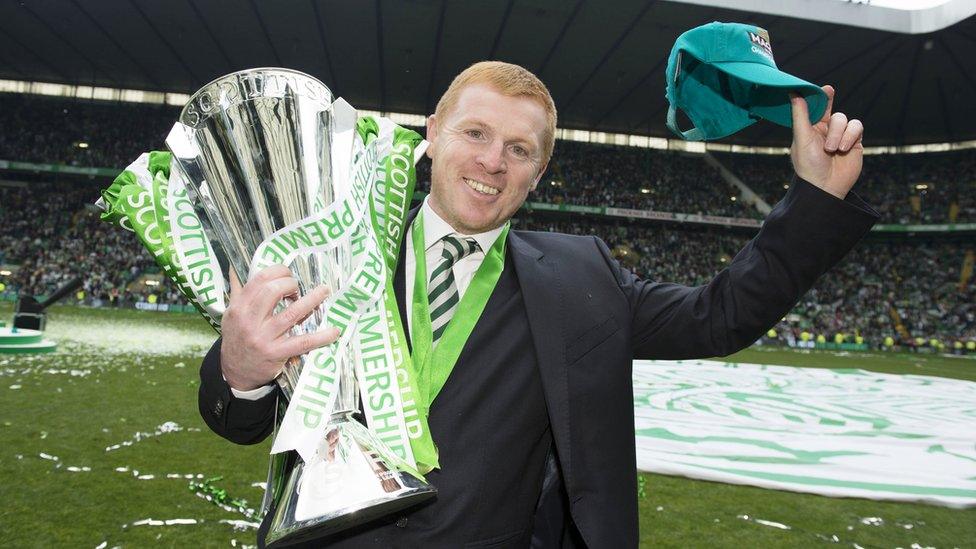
pixel 544 299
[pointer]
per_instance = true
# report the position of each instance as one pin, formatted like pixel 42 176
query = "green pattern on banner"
pixel 868 486
pixel 842 433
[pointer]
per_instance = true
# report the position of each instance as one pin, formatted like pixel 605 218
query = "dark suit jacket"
pixel 590 318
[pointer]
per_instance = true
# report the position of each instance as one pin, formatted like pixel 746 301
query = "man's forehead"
pixel 484 104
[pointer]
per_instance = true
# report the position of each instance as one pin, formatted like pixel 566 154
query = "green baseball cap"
pixel 723 76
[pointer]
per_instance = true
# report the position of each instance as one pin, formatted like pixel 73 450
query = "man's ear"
pixel 538 176
pixel 431 134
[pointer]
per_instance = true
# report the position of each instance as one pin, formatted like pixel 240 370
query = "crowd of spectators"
pixel 586 174
pixel 51 233
pixel 79 133
pixel 905 188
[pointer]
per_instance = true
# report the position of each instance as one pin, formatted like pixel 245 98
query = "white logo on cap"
pixel 761 43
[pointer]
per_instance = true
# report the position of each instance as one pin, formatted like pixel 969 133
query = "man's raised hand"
pixel 256 343
pixel 829 153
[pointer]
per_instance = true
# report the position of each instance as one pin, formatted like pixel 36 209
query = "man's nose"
pixel 492 158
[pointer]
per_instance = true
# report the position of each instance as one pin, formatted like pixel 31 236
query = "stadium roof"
pixel 604 61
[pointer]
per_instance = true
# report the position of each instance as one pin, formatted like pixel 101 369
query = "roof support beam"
pixel 428 103
pixel 609 52
pixel 46 64
pixel 379 49
pixel 322 32
pixel 559 38
pixel 900 132
pixel 195 80
pixel 80 52
pixel 125 53
pixel 267 35
pixel 213 37
pixel 501 29
pixel 943 106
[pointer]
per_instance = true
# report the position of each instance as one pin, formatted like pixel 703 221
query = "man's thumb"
pixel 235 283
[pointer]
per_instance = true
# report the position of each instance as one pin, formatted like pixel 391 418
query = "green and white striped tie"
pixel 442 292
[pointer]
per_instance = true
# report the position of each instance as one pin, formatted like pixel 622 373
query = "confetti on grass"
pixel 219 497
pixel 769 523
pixel 165 428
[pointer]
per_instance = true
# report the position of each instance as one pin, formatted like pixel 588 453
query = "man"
pixel 535 423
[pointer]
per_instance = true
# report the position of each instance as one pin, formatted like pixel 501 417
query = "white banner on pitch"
pixel 833 432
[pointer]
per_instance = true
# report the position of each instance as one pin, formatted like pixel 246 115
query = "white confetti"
pixel 779 525
pixel 49 456
pixel 873 521
pixel 15 387
pixel 167 522
pixel 241 525
pixel 167 427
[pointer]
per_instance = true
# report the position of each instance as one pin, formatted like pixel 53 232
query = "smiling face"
pixel 487 153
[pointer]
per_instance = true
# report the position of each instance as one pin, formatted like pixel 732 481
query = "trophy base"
pixel 354 481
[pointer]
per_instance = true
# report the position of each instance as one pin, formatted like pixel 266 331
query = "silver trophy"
pixel 255 150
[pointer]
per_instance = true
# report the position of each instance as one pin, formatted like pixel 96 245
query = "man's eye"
pixel 477 134
pixel 520 151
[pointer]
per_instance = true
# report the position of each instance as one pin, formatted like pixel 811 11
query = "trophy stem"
pixel 353 481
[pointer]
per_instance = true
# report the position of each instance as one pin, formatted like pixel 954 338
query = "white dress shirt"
pixel 435 229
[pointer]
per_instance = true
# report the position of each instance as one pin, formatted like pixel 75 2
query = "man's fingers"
pixel 829 90
pixel 298 311
pixel 258 279
pixel 835 131
pixel 271 293
pixel 299 345
pixel 852 135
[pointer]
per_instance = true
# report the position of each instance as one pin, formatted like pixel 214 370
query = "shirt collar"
pixel 436 228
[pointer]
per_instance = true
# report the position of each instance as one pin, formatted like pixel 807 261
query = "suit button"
pixel 401 522
pixel 219 408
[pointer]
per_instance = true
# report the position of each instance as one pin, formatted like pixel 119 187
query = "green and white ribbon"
pixel 373 168
pixel 145 199
pixel 361 309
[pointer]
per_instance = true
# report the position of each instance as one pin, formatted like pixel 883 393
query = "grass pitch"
pixel 101 440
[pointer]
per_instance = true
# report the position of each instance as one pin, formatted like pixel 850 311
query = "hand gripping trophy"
pixel 280 172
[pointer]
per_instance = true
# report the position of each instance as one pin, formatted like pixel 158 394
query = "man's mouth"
pixel 480 187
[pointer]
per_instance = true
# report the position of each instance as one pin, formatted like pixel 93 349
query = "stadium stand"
pixel 894 286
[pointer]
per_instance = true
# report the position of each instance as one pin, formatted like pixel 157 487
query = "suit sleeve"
pixel 238 420
pixel 802 237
